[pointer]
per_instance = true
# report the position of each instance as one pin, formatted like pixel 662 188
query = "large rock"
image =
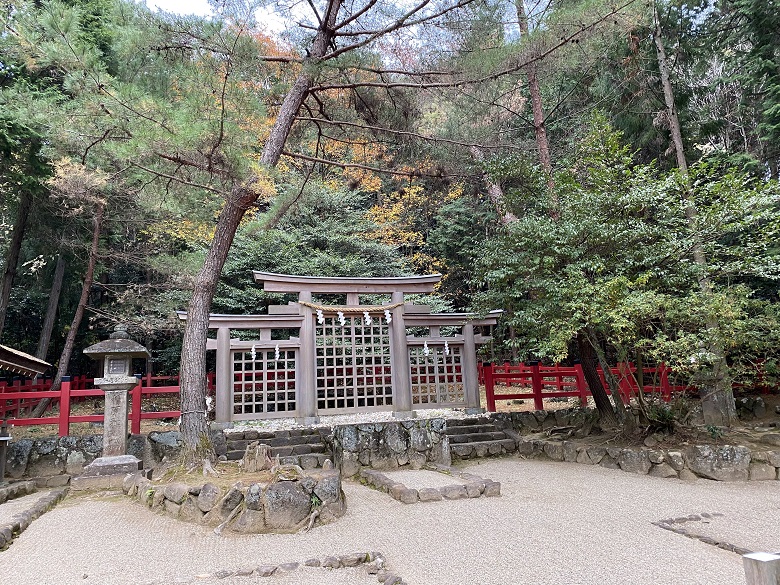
pixel 254 497
pixel 395 437
pixel 176 492
pixel 166 445
pixel 771 439
pixel 553 450
pixel 18 455
pixel 328 488
pixel 723 463
pixel 208 497
pixel 420 439
pixel 286 505
pixel 762 471
pixel 190 512
pixel 634 461
pixel 249 522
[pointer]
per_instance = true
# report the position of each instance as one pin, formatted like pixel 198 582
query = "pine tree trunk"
pixel 717 399
pixel 70 340
pixel 588 360
pixel 540 129
pixel 194 426
pixel 495 192
pixel 14 251
pixel 51 309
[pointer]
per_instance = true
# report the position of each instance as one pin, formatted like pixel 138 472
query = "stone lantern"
pixel 117 354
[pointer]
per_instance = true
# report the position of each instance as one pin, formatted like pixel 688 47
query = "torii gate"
pixel 346 358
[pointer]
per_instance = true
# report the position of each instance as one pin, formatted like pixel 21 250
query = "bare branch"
pixel 459 83
pixel 406 133
pixel 176 179
pixel 355 16
pixel 332 163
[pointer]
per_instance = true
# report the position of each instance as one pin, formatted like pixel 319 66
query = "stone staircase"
pixel 477 437
pixel 308 448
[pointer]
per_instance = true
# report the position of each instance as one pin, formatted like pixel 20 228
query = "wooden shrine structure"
pixel 345 358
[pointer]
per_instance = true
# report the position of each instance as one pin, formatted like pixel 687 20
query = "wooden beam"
pixel 288 283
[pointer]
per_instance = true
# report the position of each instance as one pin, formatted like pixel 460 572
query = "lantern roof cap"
pixel 118 344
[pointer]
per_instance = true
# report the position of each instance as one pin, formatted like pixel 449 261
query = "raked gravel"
pixel 554 524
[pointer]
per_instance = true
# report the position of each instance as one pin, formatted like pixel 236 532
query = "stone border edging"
pixel 20 522
pixel 374 563
pixel 473 487
pixel 669 524
pixel 16 490
pixel 279 506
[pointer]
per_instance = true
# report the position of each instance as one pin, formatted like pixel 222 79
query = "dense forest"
pixel 604 172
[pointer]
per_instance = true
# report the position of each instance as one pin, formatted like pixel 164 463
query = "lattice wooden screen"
pixel 437 378
pixel 264 384
pixel 353 364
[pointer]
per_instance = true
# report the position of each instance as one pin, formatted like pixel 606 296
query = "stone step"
pixel 477 437
pixel 276 441
pixel 464 422
pixel 234 454
pixel 469 429
pixel 482 449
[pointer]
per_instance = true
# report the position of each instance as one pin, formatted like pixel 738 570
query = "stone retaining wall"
pixel 719 462
pixel 389 445
pixel 51 461
pixel 582 419
pixel 282 506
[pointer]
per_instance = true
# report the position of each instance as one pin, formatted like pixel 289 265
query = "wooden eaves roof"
pixel 19 362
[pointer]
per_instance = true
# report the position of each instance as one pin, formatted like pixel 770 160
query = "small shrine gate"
pixel 346 358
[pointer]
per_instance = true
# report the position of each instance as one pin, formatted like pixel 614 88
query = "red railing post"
pixel 64 430
pixel 490 390
pixel 666 389
pixel 624 369
pixel 582 385
pixel 136 395
pixel 536 386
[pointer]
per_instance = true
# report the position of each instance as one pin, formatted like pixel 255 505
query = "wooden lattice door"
pixel 353 364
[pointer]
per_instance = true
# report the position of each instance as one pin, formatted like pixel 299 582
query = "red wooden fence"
pixel 23 395
pixel 538 382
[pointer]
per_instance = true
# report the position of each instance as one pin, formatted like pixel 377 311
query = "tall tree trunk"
pixel 12 258
pixel 540 130
pixel 588 360
pixel 495 192
pixel 70 340
pixel 51 309
pixel 194 426
pixel 717 400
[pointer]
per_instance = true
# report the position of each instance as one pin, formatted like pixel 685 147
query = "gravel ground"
pixel 555 524
pixel 11 508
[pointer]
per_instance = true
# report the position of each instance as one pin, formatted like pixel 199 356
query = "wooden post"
pixel 224 398
pixel 399 360
pixel 135 409
pixel 65 407
pixel 761 568
pixel 470 374
pixel 536 386
pixel 306 365
pixel 490 390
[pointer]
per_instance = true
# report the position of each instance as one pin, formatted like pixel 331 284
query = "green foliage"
pixel 618 260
